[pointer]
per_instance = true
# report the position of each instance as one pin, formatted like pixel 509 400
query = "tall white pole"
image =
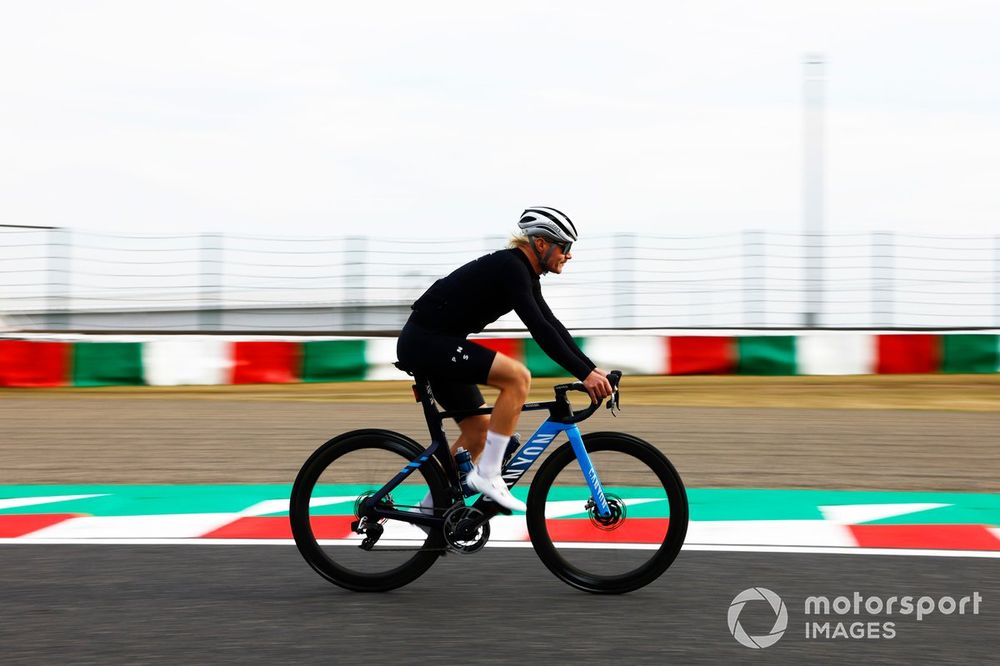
pixel 812 184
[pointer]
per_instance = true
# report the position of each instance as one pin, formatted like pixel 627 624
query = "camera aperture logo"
pixel 854 617
pixel 780 617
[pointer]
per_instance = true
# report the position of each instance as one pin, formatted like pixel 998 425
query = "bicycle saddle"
pixel 402 367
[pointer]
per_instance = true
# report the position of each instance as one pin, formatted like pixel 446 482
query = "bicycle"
pixel 355 519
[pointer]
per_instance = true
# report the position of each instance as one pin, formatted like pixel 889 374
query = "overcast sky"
pixel 447 118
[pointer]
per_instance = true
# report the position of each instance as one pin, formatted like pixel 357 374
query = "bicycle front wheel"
pixel 624 551
pixel 327 493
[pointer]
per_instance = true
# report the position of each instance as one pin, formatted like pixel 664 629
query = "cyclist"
pixel 433 341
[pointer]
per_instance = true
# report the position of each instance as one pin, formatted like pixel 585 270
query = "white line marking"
pixel 855 514
pixel 266 507
pixel 817 533
pixel 799 550
pixel 183 525
pixel 17 502
pixel 824 550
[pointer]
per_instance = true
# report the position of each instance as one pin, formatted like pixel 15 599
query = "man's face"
pixel 559 256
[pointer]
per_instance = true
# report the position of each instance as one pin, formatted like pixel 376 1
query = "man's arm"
pixel 560 329
pixel 545 334
pixel 595 381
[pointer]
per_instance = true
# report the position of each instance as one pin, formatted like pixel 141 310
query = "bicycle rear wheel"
pixel 627 551
pixel 324 501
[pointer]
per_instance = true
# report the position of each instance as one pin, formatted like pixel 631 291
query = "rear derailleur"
pixel 372 531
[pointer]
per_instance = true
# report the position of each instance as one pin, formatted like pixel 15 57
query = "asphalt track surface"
pixel 82 438
pixel 262 604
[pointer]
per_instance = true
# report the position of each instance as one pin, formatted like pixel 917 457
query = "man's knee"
pixel 524 376
pixel 509 375
pixel 518 380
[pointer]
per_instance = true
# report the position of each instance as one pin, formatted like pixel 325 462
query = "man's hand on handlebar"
pixel 597 385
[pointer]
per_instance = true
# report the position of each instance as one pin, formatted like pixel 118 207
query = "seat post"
pixel 422 390
pixel 432 415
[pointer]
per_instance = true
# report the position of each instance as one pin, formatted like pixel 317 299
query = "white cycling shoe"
pixel 494 488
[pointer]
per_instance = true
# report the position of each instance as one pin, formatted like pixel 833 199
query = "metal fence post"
pixel 754 306
pixel 60 279
pixel 210 307
pixel 996 281
pixel 882 279
pixel 814 280
pixel 814 93
pixel 354 281
pixel 624 307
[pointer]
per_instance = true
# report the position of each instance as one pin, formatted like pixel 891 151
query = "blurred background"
pixel 62 279
pixel 231 166
pixel 750 180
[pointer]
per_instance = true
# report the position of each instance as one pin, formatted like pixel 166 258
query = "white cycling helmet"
pixel 550 224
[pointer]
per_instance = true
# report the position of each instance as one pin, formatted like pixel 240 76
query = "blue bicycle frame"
pixel 561 419
pixel 529 452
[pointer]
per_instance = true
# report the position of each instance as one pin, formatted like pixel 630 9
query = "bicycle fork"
pixel 589 472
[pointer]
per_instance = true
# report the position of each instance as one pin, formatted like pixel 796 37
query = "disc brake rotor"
pixel 386 503
pixel 612 521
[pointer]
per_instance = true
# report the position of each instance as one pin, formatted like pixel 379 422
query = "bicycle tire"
pixel 318 557
pixel 555 555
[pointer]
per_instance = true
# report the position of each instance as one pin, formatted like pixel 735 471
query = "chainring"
pixel 464 531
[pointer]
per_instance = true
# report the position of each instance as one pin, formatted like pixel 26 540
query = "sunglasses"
pixel 565 247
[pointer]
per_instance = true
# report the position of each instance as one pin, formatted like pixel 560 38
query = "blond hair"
pixel 518 240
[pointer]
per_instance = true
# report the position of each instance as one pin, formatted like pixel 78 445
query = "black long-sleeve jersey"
pixel 482 291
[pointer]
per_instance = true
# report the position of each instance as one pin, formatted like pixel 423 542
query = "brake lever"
pixel 613 402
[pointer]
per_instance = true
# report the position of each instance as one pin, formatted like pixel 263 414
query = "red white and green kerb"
pixel 947 524
pixel 208 360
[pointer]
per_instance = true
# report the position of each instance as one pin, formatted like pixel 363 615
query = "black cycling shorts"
pixel 453 364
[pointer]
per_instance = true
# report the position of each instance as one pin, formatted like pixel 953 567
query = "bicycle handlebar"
pixel 614 377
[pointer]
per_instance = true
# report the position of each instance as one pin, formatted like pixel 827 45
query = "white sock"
pixel 492 457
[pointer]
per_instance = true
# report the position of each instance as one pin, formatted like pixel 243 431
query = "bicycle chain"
pixel 394 549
